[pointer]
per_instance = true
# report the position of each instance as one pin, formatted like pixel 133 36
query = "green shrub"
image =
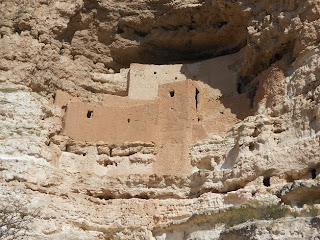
pixel 272 212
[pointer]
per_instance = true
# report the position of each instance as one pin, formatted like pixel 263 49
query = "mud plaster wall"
pixel 177 115
pixel 220 105
pixel 218 73
pixel 163 107
pixel 133 120
pixel 113 124
pixel 144 80
pixel 167 121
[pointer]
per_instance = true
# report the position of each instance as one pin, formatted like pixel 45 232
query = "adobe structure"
pixel 172 106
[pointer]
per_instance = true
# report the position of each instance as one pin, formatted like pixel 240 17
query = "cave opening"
pixel 266 181
pixel 313 173
pixel 251 146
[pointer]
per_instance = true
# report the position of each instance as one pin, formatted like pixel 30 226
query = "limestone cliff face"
pixel 253 151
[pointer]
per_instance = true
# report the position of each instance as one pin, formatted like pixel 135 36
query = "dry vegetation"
pixel 15 219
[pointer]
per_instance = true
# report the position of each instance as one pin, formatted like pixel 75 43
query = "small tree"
pixel 14 219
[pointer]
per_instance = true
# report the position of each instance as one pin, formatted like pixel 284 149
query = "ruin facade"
pixel 172 106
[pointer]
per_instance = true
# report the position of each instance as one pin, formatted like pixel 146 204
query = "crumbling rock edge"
pixel 75 46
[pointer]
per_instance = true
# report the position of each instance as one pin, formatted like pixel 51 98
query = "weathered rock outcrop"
pixel 254 173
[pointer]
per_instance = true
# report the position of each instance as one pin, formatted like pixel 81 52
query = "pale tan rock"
pixel 257 142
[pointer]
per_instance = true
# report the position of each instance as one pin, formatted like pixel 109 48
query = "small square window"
pixel 89 114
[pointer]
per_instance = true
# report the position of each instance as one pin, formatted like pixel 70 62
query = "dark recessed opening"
pixel 140 34
pixel 110 163
pixel 221 112
pixel 61 50
pixel 251 146
pixel 313 173
pixel 89 114
pixel 175 78
pixel 196 97
pixel 128 120
pixel 154 72
pixel 120 31
pixel 199 119
pixel 239 88
pixel 171 93
pixel 251 96
pixel 266 181
pixel 221 24
pixel 110 152
pixel 18 31
pixel 84 154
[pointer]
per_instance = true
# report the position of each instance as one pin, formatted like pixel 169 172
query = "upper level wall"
pixel 144 80
pixel 218 73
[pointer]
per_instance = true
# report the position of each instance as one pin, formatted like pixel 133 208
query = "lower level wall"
pixel 88 122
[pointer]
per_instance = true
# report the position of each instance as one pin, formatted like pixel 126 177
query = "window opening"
pixel 89 114
pixel 196 97
pixel 172 94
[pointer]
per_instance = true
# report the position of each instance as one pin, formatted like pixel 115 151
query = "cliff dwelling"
pixel 170 106
pixel 159 119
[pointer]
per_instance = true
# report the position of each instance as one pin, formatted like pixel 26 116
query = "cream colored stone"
pixel 108 189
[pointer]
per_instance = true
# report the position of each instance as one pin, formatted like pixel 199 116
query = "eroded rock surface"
pixel 261 144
